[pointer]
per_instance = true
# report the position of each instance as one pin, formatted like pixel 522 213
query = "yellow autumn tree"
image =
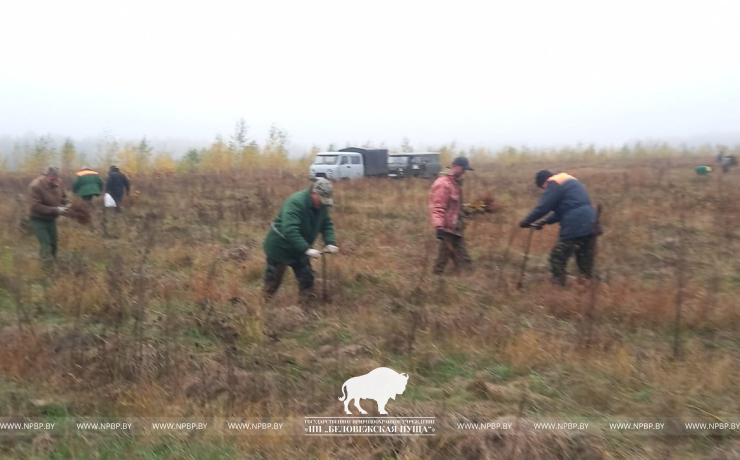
pixel 136 159
pixel 126 160
pixel 250 156
pixel 218 158
pixel 163 163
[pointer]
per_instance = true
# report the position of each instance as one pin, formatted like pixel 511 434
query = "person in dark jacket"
pixel 728 161
pixel 88 184
pixel 567 202
pixel 302 217
pixel 115 185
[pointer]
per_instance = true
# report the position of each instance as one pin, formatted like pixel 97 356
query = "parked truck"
pixel 350 163
pixel 419 164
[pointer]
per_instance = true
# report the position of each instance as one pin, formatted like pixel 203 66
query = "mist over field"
pixel 484 74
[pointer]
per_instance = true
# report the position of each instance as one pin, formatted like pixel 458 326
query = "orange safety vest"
pixel 559 179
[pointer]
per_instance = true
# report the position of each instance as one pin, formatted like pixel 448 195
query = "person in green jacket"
pixel 703 170
pixel 88 184
pixel 288 244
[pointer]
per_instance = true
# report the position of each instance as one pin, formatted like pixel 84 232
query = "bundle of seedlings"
pixel 485 204
pixel 79 212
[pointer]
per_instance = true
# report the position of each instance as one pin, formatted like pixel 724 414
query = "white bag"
pixel 109 201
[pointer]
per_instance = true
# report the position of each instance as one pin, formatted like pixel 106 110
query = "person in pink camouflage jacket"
pixel 445 207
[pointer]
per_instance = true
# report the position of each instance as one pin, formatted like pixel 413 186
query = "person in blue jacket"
pixel 567 202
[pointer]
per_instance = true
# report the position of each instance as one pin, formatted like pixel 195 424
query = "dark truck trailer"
pixel 376 160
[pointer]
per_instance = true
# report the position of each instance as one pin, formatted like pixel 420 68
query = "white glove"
pixel 313 253
pixel 331 249
pixel 62 210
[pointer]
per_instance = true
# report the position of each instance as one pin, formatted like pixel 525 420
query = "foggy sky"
pixel 479 72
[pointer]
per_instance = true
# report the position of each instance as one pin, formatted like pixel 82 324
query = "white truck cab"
pixel 337 165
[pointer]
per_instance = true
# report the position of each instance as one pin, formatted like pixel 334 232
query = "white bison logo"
pixel 380 384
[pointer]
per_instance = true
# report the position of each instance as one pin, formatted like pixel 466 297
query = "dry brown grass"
pixel 171 310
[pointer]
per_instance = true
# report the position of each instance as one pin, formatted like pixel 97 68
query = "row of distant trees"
pixel 140 158
pixel 241 152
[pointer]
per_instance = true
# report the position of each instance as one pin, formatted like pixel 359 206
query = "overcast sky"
pixel 479 72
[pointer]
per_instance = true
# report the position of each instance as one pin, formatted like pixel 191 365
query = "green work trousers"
pixel 46 233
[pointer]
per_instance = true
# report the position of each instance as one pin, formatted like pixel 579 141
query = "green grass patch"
pixel 109 447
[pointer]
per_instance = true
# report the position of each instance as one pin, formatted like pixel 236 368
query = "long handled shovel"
pixel 324 294
pixel 520 284
pixel 505 259
pixel 594 279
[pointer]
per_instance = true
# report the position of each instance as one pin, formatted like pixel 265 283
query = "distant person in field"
pixel 116 184
pixel 88 184
pixel 48 201
pixel 445 207
pixel 302 217
pixel 566 201
pixel 728 161
pixel 703 170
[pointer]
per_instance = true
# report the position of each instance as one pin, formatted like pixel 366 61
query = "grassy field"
pixel 157 312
